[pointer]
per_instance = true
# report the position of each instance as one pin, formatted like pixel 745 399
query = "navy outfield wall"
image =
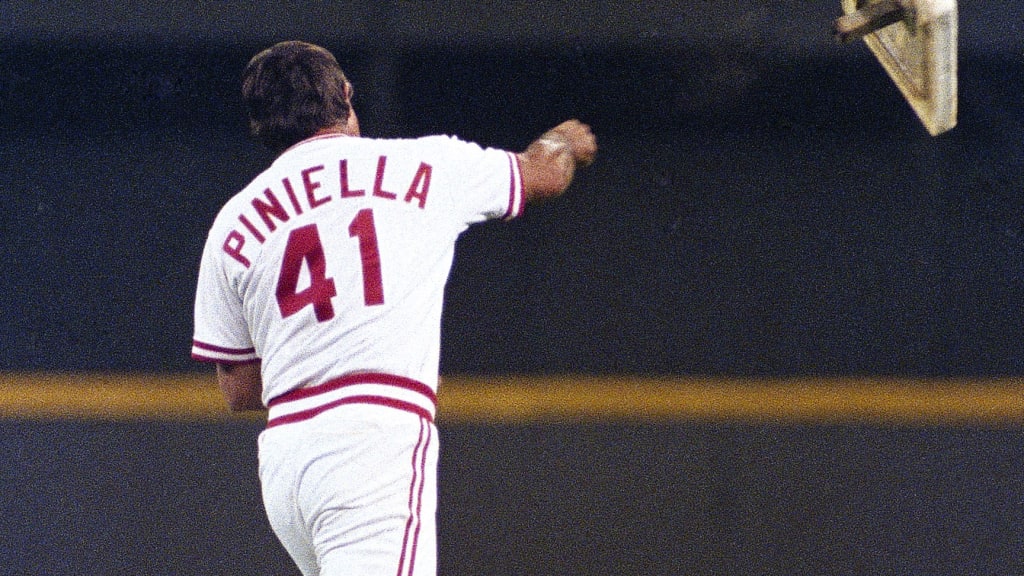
pixel 166 498
pixel 749 214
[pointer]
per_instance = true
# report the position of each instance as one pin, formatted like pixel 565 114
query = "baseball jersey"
pixel 330 266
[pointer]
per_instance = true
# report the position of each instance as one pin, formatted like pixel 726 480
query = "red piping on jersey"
pixel 351 380
pixel 377 400
pixel 358 378
pixel 221 349
pixel 223 361
pixel 515 176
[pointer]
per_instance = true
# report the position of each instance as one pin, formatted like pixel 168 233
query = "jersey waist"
pixel 376 388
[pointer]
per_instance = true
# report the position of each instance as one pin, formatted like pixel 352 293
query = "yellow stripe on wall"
pixel 525 399
pixel 111 396
pixel 791 400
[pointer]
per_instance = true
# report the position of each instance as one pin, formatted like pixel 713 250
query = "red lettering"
pixel 251 228
pixel 311 186
pixel 291 195
pixel 265 210
pixel 304 248
pixel 420 185
pixel 233 247
pixel 378 182
pixel 362 227
pixel 343 177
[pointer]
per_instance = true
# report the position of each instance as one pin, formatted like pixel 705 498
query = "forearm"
pixel 549 163
pixel 241 385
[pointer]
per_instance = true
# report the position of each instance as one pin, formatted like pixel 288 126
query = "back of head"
pixel 292 90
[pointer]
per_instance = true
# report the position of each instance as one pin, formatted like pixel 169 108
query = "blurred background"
pixel 765 205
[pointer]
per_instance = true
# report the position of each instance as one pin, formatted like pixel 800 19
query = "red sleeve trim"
pixel 515 192
pixel 203 352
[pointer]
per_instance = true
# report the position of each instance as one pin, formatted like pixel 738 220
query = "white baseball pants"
pixel 353 491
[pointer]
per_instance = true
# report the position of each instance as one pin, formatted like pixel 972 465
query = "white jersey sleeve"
pixel 489 182
pixel 334 260
pixel 221 333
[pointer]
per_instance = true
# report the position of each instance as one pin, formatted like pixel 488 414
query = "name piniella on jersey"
pixel 304 192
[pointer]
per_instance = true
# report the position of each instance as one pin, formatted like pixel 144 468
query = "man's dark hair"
pixel 291 90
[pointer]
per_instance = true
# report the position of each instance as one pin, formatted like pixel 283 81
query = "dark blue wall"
pixel 165 499
pixel 749 213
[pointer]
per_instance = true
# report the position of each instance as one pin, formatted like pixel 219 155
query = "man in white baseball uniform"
pixel 319 298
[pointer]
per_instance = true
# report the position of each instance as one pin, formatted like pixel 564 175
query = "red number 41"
pixel 304 248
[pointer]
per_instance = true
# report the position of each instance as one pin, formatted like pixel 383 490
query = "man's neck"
pixel 334 130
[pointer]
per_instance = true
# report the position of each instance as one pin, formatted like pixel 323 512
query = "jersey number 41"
pixel 304 248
